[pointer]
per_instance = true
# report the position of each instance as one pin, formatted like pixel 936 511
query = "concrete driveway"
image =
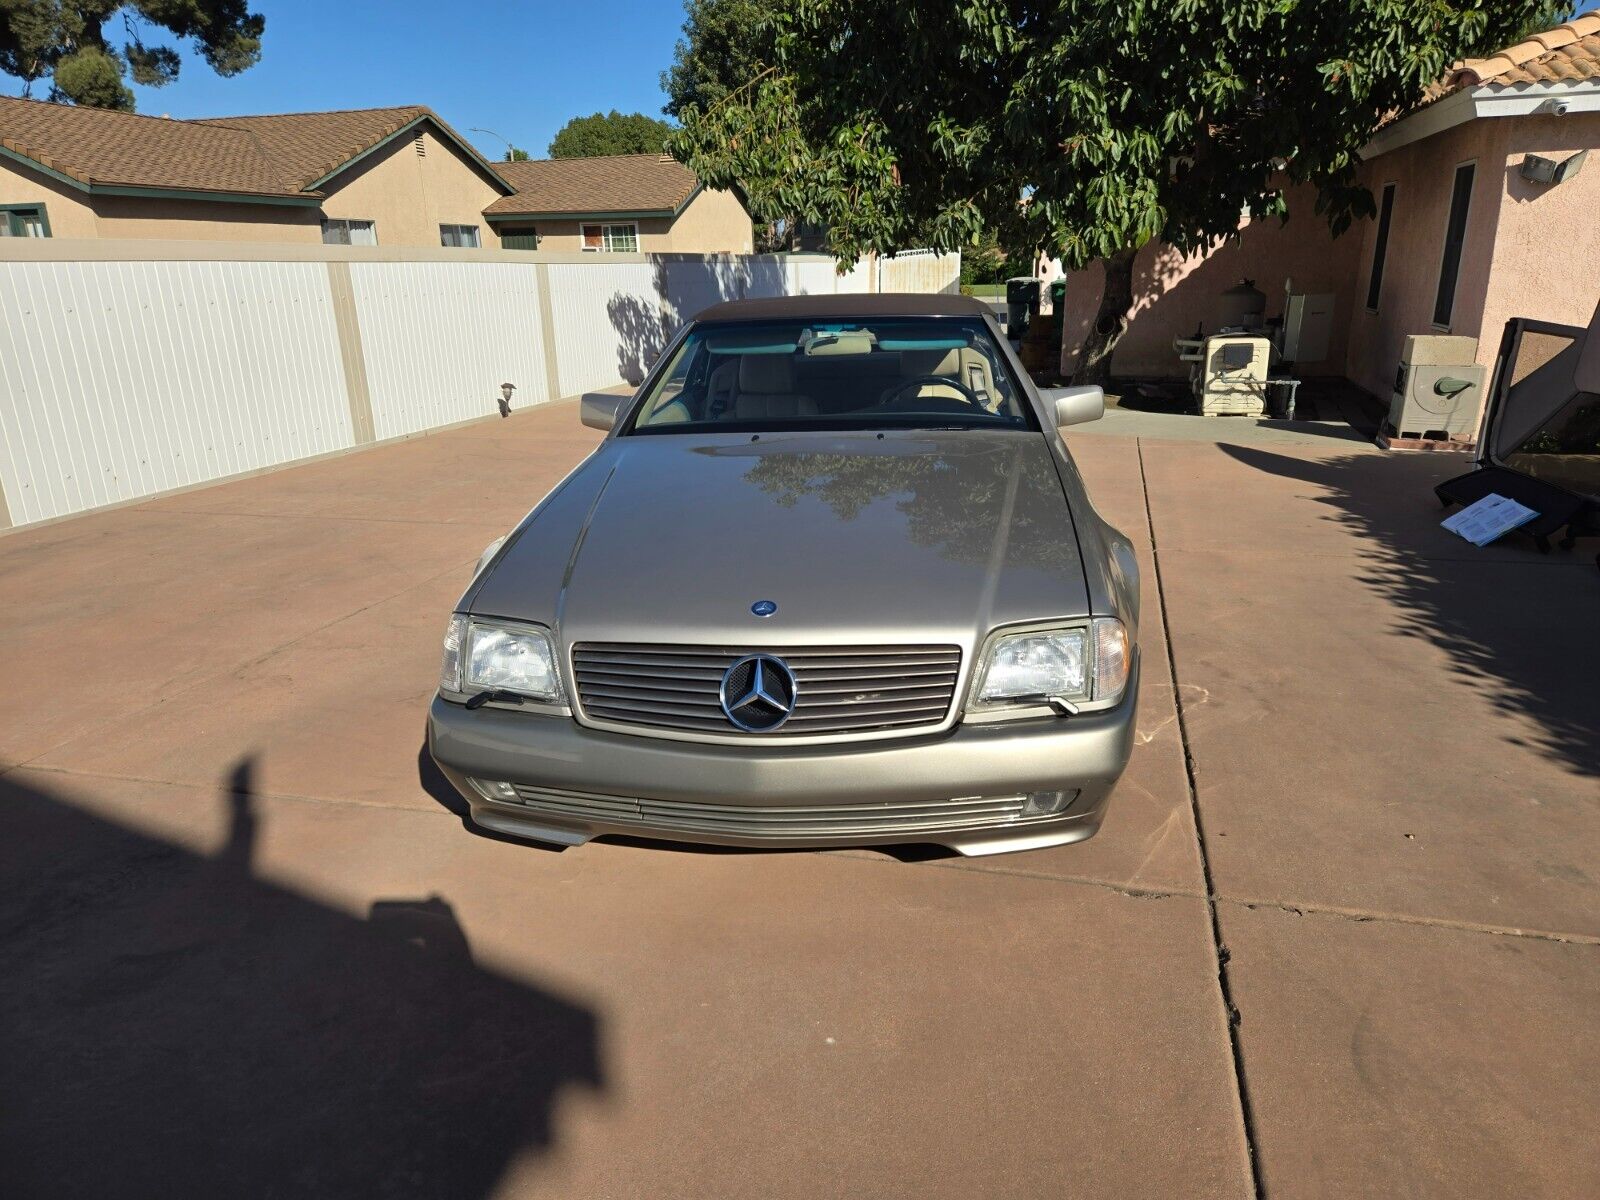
pixel 1340 935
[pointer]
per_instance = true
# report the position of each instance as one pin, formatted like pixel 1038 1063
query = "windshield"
pixel 897 373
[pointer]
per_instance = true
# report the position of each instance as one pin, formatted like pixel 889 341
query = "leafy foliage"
pixel 724 43
pixel 985 260
pixel 516 154
pixel 65 41
pixel 610 133
pixel 1087 127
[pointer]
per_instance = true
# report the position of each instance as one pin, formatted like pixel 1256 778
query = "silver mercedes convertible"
pixel 830 579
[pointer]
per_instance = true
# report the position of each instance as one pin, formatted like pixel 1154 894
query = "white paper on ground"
pixel 1484 520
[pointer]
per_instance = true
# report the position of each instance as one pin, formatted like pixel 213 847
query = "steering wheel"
pixel 894 392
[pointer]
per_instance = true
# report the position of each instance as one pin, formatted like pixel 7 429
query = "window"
pixel 340 232
pixel 1380 247
pixel 459 235
pixel 519 237
pixel 23 220
pixel 612 239
pixel 1455 234
pixel 878 373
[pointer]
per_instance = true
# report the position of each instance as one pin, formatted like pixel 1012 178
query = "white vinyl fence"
pixel 133 368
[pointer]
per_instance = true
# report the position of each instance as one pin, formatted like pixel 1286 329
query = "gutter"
pixel 1485 101
pixel 92 188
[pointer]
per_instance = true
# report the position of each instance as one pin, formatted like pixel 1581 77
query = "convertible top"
pixel 860 304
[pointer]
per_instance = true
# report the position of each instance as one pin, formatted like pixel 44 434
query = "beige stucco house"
pixel 383 176
pixel 627 202
pixel 1464 238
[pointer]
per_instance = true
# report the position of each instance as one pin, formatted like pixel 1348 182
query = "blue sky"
pixel 519 68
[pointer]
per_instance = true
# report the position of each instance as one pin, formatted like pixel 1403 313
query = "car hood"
pixel 900 536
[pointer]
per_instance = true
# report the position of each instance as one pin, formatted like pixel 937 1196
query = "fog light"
pixel 494 789
pixel 1047 804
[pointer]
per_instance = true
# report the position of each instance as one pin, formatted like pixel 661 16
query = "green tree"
pixel 65 42
pixel 724 44
pixel 1087 127
pixel 516 154
pixel 985 260
pixel 610 133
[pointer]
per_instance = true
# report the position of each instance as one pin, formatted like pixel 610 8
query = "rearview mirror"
pixel 1075 405
pixel 598 410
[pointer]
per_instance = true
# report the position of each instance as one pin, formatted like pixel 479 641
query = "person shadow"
pixel 173 1024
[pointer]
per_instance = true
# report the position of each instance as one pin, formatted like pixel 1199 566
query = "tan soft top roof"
pixel 862 304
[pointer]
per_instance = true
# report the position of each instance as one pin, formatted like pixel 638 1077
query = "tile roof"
pixel 284 155
pixel 614 183
pixel 1569 53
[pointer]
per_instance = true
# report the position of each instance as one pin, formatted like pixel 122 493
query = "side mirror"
pixel 598 410
pixel 1075 405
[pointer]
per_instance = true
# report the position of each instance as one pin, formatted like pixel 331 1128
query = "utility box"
pixel 1438 390
pixel 1230 376
pixel 1307 327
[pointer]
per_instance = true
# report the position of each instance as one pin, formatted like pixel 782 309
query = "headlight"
pixel 486 655
pixel 1053 663
pixel 1083 662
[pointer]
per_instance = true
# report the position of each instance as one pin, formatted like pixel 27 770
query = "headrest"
pixel 1587 376
pixel 929 362
pixel 769 373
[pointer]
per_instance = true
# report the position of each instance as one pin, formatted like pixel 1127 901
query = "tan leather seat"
pixel 766 390
pixel 720 388
pixel 964 365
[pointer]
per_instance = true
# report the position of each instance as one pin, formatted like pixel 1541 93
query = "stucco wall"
pixel 65 209
pixel 1174 293
pixel 565 236
pixel 204 220
pixel 712 223
pixel 1547 254
pixel 1424 174
pixel 411 195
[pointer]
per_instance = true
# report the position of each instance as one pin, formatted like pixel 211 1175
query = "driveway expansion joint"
pixel 1224 985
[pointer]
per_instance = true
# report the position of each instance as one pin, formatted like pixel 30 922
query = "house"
pixel 648 203
pixel 380 176
pixel 1467 234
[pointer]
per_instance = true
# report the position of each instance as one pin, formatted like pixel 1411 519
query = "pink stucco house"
pixel 1462 242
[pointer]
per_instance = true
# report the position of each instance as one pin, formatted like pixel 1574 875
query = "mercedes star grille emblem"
pixel 758 693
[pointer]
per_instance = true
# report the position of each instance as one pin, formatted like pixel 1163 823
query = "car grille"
pixel 843 820
pixel 838 689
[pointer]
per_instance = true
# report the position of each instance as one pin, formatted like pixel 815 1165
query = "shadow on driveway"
pixel 1519 628
pixel 173 1025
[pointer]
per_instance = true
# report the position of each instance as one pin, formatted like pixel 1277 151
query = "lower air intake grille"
pixel 843 820
pixel 838 689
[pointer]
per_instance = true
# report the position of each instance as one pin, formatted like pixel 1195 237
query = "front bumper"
pixel 950 789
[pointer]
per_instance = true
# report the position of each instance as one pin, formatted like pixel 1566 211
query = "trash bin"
pixel 1058 305
pixel 1022 301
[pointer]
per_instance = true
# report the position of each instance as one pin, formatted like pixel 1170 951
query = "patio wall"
pixel 1531 250
pixel 131 368
pixel 1175 293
